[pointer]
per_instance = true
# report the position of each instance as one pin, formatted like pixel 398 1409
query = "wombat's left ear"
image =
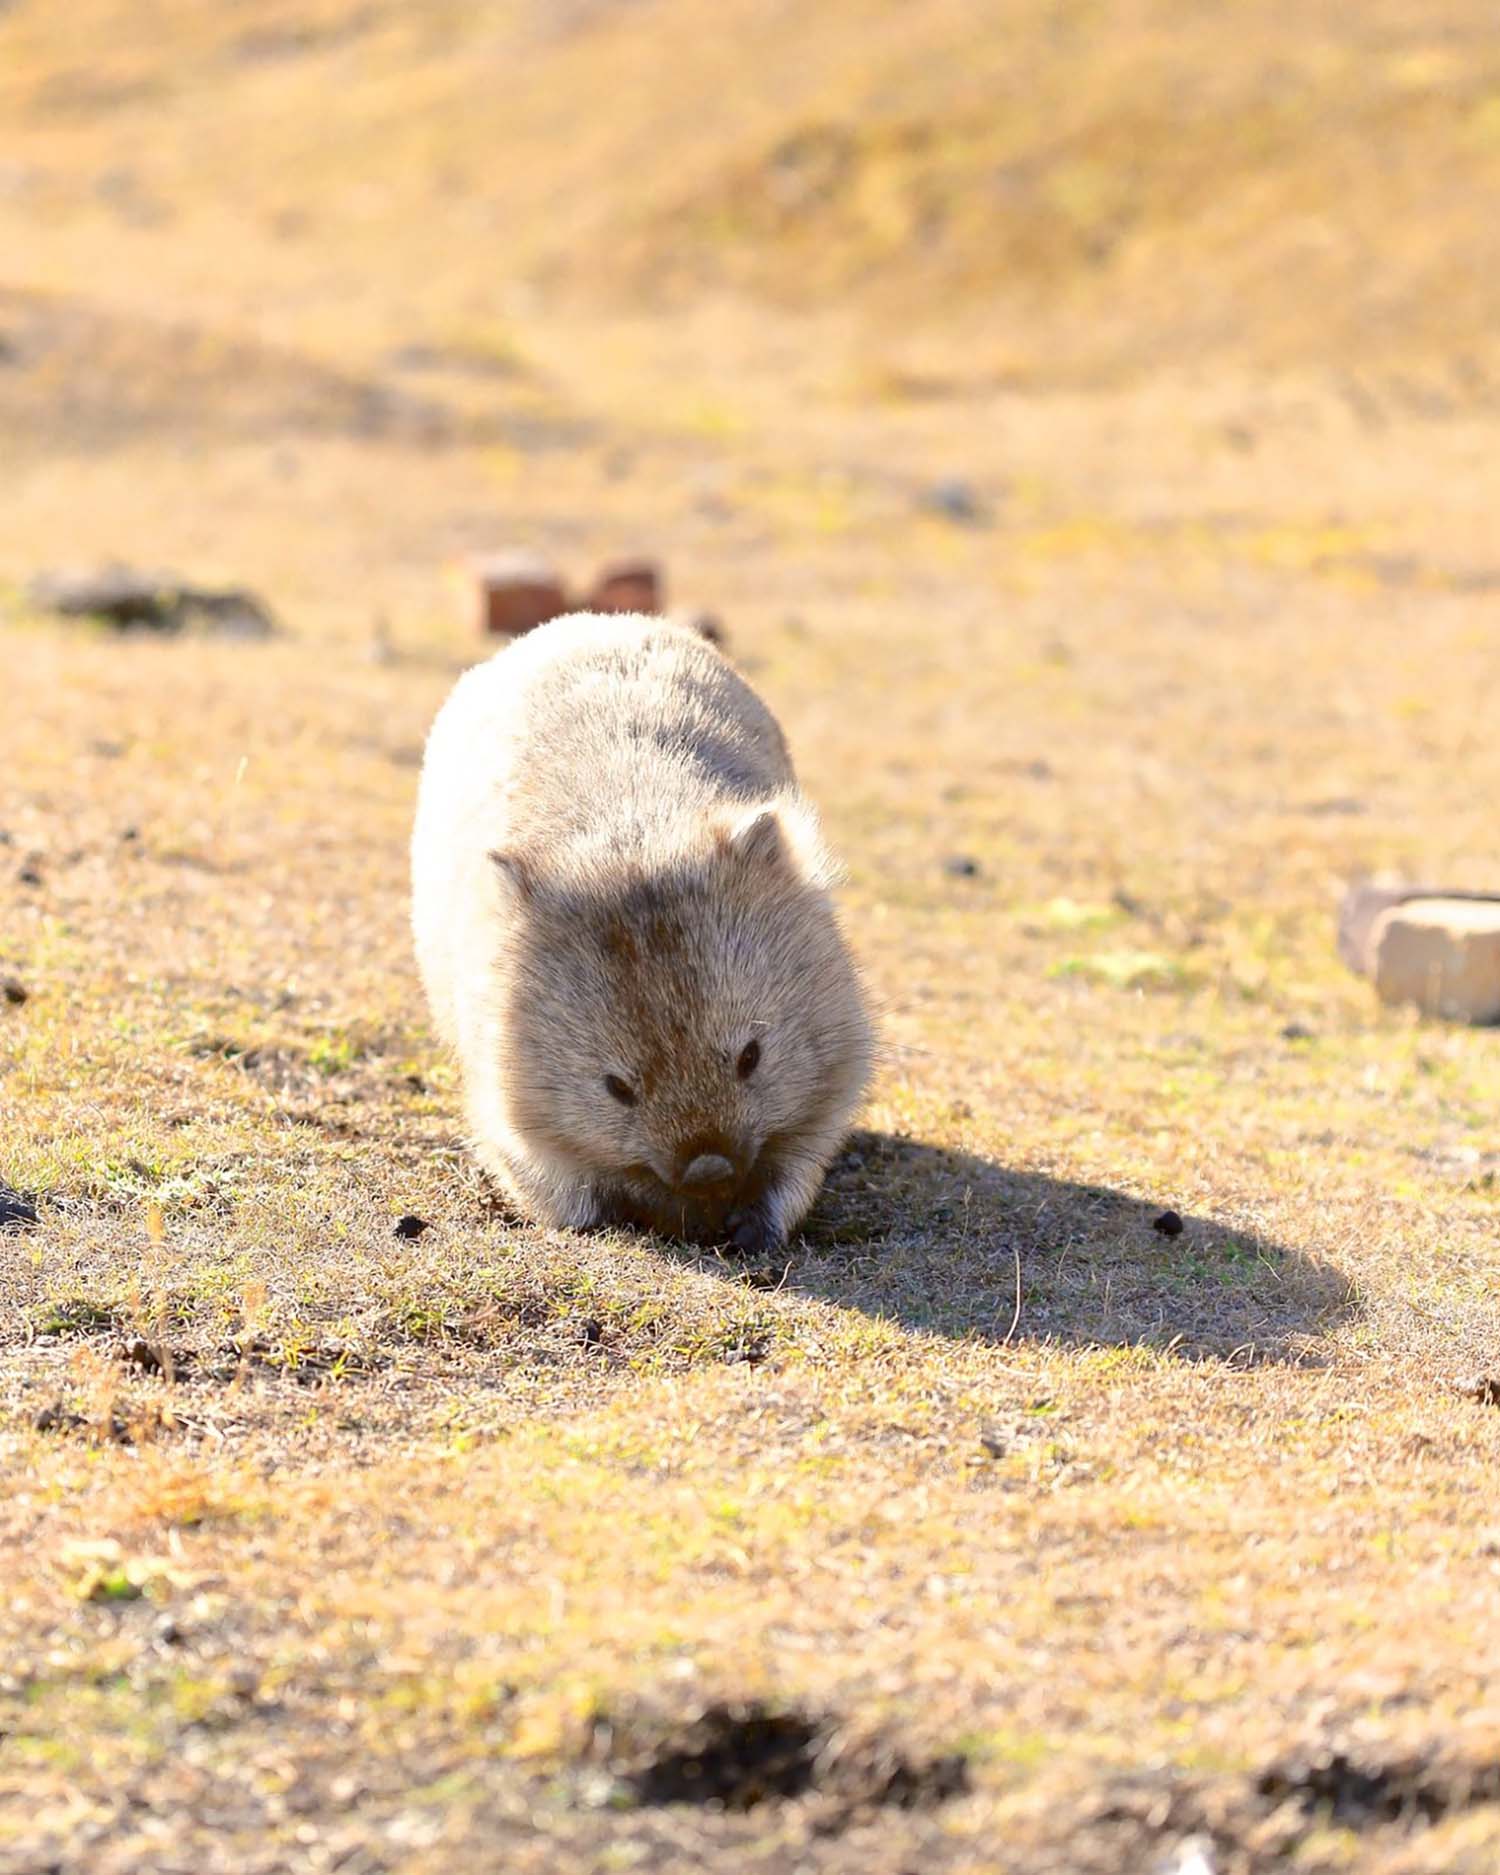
pixel 515 872
pixel 785 836
pixel 757 840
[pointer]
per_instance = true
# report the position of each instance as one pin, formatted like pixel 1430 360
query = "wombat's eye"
pixel 621 1090
pixel 749 1060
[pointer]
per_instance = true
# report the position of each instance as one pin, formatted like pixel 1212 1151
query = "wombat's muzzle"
pixel 705 1172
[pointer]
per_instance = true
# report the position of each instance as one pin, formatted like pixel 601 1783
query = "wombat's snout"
pixel 707 1165
pixel 709 1168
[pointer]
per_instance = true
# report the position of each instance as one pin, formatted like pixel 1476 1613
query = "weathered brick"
pixel 1443 954
pixel 515 592
pixel 627 586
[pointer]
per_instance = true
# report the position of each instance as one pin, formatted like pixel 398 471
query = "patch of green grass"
pixel 332 1054
pixel 1127 970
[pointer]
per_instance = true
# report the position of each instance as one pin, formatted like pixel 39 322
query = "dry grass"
pixel 332 1548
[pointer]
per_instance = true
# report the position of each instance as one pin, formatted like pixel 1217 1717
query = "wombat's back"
pixel 595 733
pixel 630 719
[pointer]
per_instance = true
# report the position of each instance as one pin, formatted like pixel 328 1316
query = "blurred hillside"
pixel 1072 190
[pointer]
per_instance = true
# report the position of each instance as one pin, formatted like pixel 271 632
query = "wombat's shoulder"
pixel 597 650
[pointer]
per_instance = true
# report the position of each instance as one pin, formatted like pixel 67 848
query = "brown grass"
pixel 328 1548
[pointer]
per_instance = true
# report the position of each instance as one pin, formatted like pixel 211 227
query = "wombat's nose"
pixel 709 1168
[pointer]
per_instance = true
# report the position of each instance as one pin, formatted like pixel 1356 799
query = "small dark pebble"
pixel 13 990
pixel 1298 1032
pixel 411 1226
pixel 961 866
pixel 764 1275
pixel 1483 1389
pixel 957 500
pixel 1169 1224
pixel 28 875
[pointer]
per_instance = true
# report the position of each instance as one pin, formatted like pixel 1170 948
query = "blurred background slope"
pixel 1104 186
pixel 346 223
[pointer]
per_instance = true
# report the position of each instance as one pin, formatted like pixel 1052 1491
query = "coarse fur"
pixel 622 919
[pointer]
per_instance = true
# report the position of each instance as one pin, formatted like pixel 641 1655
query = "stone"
pixel 1441 954
pixel 132 600
pixel 514 593
pixel 1366 902
pixel 17 1212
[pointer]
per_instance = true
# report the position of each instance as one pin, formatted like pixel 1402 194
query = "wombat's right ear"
pixel 514 873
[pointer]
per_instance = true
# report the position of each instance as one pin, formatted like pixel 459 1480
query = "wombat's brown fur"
pixel 623 925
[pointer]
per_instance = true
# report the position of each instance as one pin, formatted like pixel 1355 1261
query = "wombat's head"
pixel 675 1027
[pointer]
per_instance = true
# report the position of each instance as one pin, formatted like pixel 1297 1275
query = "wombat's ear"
pixel 514 873
pixel 785 836
pixel 758 840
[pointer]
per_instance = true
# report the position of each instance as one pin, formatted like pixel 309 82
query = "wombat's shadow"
pixel 935 1239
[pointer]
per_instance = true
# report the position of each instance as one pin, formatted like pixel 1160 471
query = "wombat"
pixel 622 918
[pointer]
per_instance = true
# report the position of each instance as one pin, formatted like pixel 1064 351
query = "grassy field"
pixel 993 1528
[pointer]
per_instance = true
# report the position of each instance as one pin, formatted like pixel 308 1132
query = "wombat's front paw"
pixel 593 1208
pixel 751 1232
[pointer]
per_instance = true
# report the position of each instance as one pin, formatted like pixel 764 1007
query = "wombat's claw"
pixel 750 1233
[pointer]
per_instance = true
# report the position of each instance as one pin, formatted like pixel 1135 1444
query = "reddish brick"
pixel 514 592
pixel 627 586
